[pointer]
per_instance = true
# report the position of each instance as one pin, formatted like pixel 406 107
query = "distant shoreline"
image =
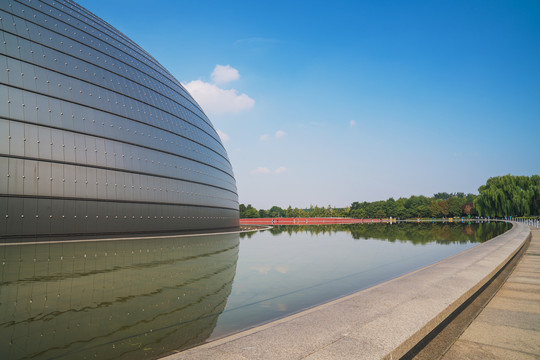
pixel 329 221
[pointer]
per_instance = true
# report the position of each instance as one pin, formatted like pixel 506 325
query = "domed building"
pixel 97 137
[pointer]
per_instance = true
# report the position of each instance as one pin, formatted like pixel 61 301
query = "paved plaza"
pixel 509 325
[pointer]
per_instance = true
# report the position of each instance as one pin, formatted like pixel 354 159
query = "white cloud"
pixel 277 135
pixel 281 170
pixel 216 100
pixel 261 170
pixel 353 123
pixel 223 136
pixel 280 134
pixel 224 73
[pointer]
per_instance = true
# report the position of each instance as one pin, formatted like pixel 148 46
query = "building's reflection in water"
pixel 129 299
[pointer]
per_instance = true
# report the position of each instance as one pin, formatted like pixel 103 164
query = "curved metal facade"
pixel 96 136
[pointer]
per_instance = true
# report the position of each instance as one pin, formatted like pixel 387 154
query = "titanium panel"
pixel 97 137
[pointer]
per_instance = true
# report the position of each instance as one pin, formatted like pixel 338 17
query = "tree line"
pixel 501 196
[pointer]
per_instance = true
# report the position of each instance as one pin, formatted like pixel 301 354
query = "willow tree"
pixel 509 196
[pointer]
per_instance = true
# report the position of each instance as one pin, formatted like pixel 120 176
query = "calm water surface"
pixel 140 299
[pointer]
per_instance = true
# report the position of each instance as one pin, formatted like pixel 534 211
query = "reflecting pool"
pixel 125 299
pixel 143 298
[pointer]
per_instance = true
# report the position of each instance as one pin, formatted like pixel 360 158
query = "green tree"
pixel 454 205
pixel 288 211
pixel 242 209
pixel 358 213
pixel 442 196
pixel 418 206
pixel 250 212
pixel 508 196
pixel 435 209
pixel 390 207
pixel 400 210
pixel 315 211
pixel 276 211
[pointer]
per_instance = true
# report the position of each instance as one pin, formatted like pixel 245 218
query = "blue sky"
pixel 327 103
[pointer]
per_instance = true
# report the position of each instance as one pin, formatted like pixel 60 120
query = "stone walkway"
pixel 509 326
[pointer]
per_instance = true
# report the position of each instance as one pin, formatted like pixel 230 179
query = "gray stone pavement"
pixel 384 321
pixel 509 325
